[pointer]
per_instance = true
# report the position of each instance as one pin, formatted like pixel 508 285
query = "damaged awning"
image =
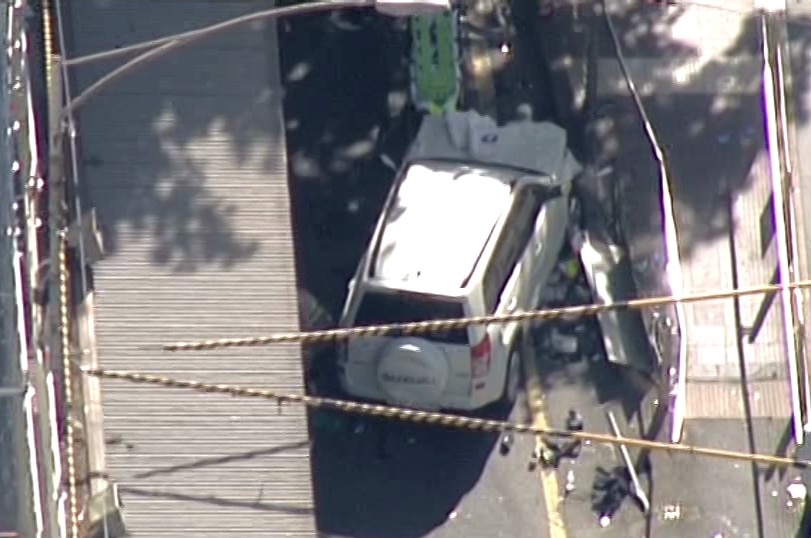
pixel 609 273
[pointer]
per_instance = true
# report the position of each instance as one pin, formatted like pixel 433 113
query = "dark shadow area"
pixel 337 185
pixel 767 226
pixel 528 75
pixel 805 524
pixel 401 486
pixel 372 479
pixel 798 37
pixel 212 500
pixel 752 331
pixel 781 450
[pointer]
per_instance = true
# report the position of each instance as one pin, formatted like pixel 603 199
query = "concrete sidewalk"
pixel 698 69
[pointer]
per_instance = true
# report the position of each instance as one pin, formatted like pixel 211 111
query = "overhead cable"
pixel 417 327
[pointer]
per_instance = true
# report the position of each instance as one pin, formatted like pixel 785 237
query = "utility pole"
pixel 48 453
pixel 56 332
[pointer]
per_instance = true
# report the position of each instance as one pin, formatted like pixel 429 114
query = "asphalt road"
pixel 431 482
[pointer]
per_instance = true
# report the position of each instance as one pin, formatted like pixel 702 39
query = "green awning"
pixel 435 79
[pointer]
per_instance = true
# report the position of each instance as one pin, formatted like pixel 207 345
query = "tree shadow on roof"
pixel 169 154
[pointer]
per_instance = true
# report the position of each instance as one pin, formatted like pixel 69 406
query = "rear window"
pixel 378 308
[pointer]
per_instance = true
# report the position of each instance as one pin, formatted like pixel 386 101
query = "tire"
pixel 512 379
pixel 312 315
pixel 318 358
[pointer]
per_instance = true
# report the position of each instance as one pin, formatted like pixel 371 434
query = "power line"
pixel 260 15
pixel 460 323
pixel 458 422
pixel 212 29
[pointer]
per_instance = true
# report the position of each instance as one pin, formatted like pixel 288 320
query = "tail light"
pixel 480 358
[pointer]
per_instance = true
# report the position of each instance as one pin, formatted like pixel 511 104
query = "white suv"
pixel 457 238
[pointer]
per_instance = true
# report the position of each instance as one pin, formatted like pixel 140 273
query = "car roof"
pixel 438 222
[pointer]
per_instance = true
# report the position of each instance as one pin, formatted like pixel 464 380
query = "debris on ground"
pixel 506 443
pixel 573 338
pixel 609 490
pixel 797 492
pixel 570 485
pixel 563 343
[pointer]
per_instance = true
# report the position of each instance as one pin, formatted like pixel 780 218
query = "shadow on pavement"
pixel 407 492
pixel 345 93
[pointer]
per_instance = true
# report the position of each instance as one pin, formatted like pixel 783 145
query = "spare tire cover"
pixel 413 371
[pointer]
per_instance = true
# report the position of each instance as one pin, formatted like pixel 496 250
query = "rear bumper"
pixel 359 381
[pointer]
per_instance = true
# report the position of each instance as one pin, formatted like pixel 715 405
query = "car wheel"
pixel 512 380
pixel 313 316
pixel 318 357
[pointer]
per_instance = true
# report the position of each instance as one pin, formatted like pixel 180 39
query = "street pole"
pixel 781 229
pixel 59 352
pixel 625 456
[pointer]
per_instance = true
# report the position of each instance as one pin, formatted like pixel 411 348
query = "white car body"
pixel 473 226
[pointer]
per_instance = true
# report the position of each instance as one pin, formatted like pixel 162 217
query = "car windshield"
pixel 379 308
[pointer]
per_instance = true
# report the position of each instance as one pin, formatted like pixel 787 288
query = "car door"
pixel 551 229
pixel 516 257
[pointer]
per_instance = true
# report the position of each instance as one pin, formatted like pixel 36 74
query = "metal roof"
pixel 185 165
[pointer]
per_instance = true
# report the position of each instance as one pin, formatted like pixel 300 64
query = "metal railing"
pixel 785 237
pixel 797 237
pixel 676 373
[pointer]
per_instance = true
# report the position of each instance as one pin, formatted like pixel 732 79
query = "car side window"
pixel 512 241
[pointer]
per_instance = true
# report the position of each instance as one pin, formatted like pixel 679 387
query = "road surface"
pixel 345 88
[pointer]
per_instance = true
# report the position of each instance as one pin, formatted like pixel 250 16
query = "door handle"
pixel 512 304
